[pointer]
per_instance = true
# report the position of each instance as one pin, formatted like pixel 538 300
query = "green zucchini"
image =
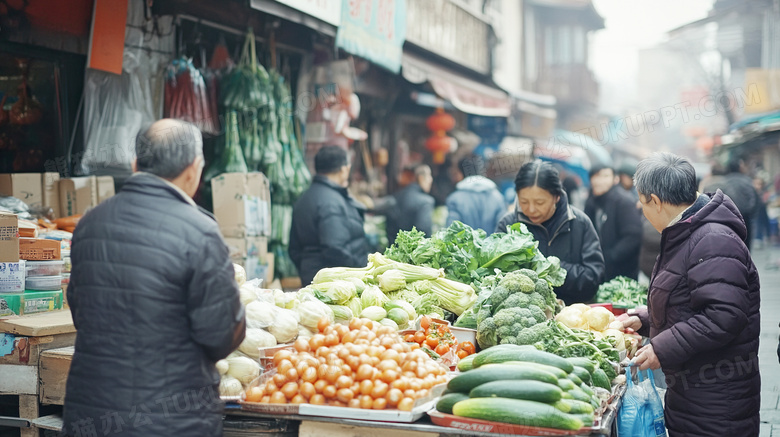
pixel 575 379
pixel 528 390
pixel 582 373
pixel 579 395
pixel 466 364
pixel 583 362
pixel 574 406
pixel 566 384
pixel 518 412
pixel 566 395
pixel 600 379
pixel 554 370
pixel 586 388
pixel 523 353
pixel 587 419
pixel 466 382
pixel 446 402
pixel 498 350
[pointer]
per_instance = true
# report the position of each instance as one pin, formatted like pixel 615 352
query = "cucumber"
pixel 498 351
pixel 522 353
pixel 528 390
pixel 587 419
pixel 566 384
pixel 554 370
pixel 466 382
pixel 586 388
pixel 585 363
pixel 579 395
pixel 574 406
pixel 566 395
pixel 446 402
pixel 600 379
pixel 575 379
pixel 581 373
pixel 466 364
pixel 518 412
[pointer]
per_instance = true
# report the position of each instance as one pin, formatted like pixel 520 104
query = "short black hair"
pixel 330 159
pixel 597 168
pixel 471 165
pixel 540 174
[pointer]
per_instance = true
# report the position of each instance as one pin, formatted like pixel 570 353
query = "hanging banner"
pixel 107 37
pixel 328 11
pixel 374 30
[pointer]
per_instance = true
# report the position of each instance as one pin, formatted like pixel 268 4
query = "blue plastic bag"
pixel 642 413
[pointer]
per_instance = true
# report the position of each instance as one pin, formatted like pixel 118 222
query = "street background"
pixel 767 260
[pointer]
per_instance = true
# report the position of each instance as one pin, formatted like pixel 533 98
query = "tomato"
pixel 409 338
pixel 419 337
pixel 468 347
pixel 425 322
pixel 322 324
pixel 432 342
pixel 254 394
pixel 462 354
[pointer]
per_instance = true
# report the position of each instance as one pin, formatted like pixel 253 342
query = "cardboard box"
pixel 78 195
pixel 12 276
pixel 30 302
pixel 39 249
pixel 24 186
pixel 250 253
pixel 9 237
pixel 50 183
pixel 105 188
pixel 242 204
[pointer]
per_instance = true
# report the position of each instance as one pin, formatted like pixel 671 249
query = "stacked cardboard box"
pixel 35 189
pixel 242 206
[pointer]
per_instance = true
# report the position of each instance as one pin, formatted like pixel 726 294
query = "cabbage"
pixel 359 285
pixel 304 332
pixel 256 338
pixel 399 316
pixel 285 300
pixel 240 274
pixel 598 318
pixel 285 326
pixel 335 293
pixel 341 314
pixel 243 369
pixel 390 323
pixel 260 314
pixel 572 318
pixel 246 294
pixel 310 313
pixel 223 366
pixel 375 313
pixel 355 305
pixel 331 274
pixel 372 296
pixel 391 280
pixel 229 386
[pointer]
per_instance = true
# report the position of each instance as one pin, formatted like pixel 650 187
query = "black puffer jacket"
pixel 155 303
pixel 413 208
pixel 327 230
pixel 703 321
pixel 619 225
pixel 570 236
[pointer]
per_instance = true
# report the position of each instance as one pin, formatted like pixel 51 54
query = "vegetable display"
pixel 600 321
pixel 438 337
pixel 624 292
pixel 525 386
pixel 360 365
pixel 468 255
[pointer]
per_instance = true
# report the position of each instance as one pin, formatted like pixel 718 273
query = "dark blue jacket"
pixel 155 301
pixel 413 208
pixel 476 202
pixel 327 230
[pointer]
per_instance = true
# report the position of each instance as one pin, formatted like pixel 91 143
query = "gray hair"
pixel 670 177
pixel 167 148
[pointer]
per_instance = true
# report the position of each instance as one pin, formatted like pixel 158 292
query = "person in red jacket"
pixel 703 305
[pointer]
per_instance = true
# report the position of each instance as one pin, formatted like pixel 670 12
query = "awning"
pixel 465 94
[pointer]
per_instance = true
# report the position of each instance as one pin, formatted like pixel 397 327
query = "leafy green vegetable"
pixel 623 291
pixel 568 342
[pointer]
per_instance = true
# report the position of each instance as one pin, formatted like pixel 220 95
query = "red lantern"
pixel 439 143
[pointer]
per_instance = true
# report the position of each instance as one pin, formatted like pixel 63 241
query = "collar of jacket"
pixel 563 214
pixel 320 179
pixel 606 197
pixel 148 183
pixel 683 227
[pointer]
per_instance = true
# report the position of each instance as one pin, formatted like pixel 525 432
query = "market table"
pixel 24 340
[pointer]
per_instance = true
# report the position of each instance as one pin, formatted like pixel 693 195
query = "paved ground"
pixel 768 262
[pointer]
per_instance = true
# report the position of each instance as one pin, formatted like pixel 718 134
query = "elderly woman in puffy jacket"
pixel 703 305
pixel 561 229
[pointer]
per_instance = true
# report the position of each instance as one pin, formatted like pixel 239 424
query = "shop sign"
pixel 328 11
pixel 374 30
pixel 450 31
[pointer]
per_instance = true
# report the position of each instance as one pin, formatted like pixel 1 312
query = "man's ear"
pixel 656 202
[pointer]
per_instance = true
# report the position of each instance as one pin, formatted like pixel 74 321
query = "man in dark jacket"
pixel 476 200
pixel 327 223
pixel 155 301
pixel 618 223
pixel 703 305
pixel 413 206
pixel 739 187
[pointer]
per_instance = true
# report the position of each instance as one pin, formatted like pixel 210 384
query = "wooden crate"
pixel 53 374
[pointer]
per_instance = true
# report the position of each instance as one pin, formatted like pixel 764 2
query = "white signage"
pixel 328 11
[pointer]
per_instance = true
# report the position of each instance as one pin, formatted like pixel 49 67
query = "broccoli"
pixel 543 287
pixel 529 273
pixel 483 314
pixel 504 331
pixel 534 334
pixel 517 300
pixel 537 300
pixel 537 313
pixel 514 282
pixel 508 340
pixel 486 333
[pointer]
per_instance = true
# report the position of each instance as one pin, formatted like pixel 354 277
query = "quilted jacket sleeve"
pixel 583 279
pixel 215 312
pixel 718 283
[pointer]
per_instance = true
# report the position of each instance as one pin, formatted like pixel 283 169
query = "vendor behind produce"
pixel 561 229
pixel 155 301
pixel 327 223
pixel 703 305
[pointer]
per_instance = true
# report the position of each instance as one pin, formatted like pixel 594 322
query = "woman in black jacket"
pixel 561 229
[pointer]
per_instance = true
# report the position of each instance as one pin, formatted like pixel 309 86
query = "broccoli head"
pixel 537 300
pixel 508 340
pixel 530 273
pixel 543 287
pixel 534 334
pixel 516 319
pixel 517 300
pixel 500 294
pixel 483 314
pixel 537 313
pixel 515 282
pixel 486 333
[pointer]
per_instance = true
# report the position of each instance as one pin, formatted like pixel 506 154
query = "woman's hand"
pixel 629 322
pixel 647 359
